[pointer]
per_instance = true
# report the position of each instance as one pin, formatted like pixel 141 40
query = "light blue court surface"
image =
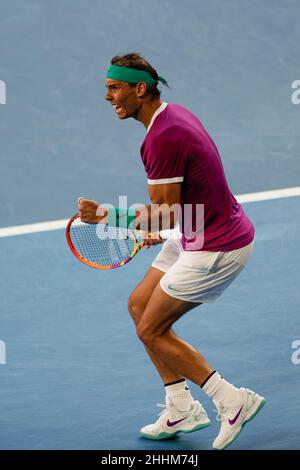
pixel 76 376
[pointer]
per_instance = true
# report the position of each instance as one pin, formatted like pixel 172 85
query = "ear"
pixel 141 89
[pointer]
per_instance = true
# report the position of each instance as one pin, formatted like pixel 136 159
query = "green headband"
pixel 126 74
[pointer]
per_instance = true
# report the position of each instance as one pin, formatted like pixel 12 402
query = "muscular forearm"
pixel 150 218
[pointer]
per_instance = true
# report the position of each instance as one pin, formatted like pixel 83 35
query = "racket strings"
pixel 101 244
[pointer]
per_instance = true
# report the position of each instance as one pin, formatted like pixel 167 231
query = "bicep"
pixel 165 193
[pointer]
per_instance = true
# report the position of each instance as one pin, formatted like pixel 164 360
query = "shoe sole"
pixel 166 435
pixel 261 404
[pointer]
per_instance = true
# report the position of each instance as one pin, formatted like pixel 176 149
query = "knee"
pixel 135 309
pixel 146 335
pixel 151 336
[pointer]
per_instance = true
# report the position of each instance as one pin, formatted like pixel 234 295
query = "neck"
pixel 147 110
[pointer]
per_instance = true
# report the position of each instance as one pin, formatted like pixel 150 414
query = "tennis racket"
pixel 101 246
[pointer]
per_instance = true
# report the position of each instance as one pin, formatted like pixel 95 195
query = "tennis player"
pixel 183 168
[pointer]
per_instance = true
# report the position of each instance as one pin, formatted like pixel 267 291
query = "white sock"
pixel 180 396
pixel 221 391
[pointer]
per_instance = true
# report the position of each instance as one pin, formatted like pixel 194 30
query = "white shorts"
pixel 198 276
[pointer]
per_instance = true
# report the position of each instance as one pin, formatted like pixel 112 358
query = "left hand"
pixel 152 238
pixel 91 212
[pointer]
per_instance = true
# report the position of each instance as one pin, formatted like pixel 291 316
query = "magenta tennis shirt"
pixel 178 149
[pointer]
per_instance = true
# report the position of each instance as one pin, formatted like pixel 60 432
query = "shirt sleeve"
pixel 164 161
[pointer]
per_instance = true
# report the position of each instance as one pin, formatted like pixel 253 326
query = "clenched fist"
pixel 91 212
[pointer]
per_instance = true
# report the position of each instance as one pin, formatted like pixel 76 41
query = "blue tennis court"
pixel 73 374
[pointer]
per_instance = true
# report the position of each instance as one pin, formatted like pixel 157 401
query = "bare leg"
pixel 136 305
pixel 154 329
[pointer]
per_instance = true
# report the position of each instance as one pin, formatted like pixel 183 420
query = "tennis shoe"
pixel 172 421
pixel 234 418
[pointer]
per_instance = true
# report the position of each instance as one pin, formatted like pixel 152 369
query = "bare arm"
pixel 159 215
pixel 163 211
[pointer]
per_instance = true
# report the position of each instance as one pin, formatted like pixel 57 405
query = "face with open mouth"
pixel 122 97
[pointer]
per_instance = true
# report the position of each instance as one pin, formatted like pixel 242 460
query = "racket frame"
pixel 83 260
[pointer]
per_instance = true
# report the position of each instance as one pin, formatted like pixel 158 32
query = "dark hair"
pixel 136 61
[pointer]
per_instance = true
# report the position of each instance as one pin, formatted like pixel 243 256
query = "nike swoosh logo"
pixel 232 421
pixel 174 422
pixel 172 288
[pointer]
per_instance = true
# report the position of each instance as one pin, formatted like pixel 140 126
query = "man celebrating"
pixel 183 168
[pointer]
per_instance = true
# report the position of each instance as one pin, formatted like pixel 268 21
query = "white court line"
pixel 61 224
pixel 267 195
